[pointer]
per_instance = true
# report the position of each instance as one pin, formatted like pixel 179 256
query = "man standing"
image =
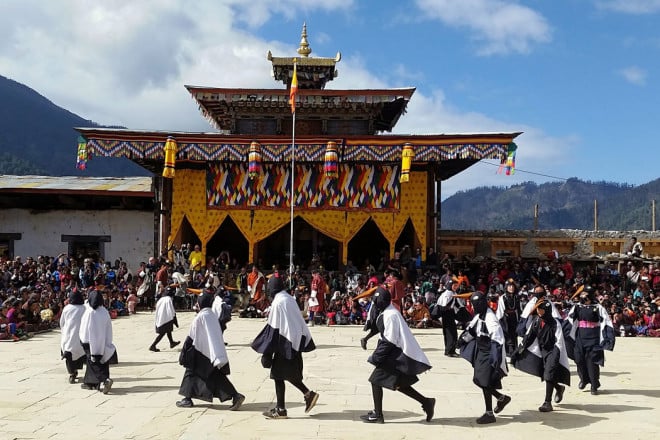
pixel 447 305
pixel 195 261
pixel 256 285
pixel 162 278
pixel 281 344
pixel 317 296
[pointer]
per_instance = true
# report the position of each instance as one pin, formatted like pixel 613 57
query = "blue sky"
pixel 578 77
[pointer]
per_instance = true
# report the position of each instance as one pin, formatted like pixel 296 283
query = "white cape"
pixel 495 333
pixel 285 316
pixel 207 337
pixel 217 306
pixel 96 330
pixel 164 311
pixel 70 330
pixel 397 332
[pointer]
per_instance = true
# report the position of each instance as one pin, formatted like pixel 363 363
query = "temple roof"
pixel 447 154
pixel 312 72
pixel 222 106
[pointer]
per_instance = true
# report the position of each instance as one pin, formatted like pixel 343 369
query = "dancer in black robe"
pixel 96 338
pixel 592 332
pixel 165 319
pixel 70 346
pixel 398 359
pixel 205 358
pixel 281 344
pixel 542 353
pixel 448 306
pixel 482 344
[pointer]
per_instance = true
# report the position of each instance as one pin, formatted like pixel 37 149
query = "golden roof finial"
pixel 304 49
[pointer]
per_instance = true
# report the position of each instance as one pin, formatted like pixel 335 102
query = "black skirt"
pixel 73 365
pixel 391 379
pixel 168 327
pixel 97 372
pixel 485 376
pixel 287 369
pixel 205 382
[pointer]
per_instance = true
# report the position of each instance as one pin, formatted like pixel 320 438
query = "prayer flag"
pixel 294 89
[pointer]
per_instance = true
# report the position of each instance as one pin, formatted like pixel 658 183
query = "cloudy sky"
pixel 578 77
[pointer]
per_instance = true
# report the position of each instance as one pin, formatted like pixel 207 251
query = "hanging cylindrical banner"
pixel 331 160
pixel 81 160
pixel 254 160
pixel 170 158
pixel 407 156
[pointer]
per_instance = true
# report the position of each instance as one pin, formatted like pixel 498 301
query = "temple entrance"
pixel 186 235
pixel 307 242
pixel 228 245
pixel 408 237
pixel 368 244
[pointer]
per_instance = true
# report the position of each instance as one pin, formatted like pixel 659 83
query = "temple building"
pixel 358 193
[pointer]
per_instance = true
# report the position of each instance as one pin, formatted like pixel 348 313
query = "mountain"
pixel 563 205
pixel 37 137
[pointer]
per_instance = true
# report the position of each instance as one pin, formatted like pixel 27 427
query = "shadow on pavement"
pixel 138 364
pixel 122 391
pixel 139 379
pixel 600 408
pixel 559 419
pixel 631 392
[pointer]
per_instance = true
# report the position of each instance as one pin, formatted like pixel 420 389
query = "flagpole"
pixel 293 89
pixel 293 162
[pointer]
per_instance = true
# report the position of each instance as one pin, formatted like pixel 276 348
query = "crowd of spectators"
pixel 34 291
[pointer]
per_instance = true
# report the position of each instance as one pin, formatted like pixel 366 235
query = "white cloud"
pixel 500 27
pixel 537 150
pixel 121 62
pixel 630 6
pixel 126 63
pixel 634 75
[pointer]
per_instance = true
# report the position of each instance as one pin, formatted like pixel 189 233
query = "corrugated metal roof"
pixel 67 184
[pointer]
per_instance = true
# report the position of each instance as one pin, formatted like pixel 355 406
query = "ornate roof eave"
pixel 220 106
pixel 448 153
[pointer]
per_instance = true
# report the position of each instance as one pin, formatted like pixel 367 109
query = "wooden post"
pixel 536 217
pixel 653 215
pixel 595 215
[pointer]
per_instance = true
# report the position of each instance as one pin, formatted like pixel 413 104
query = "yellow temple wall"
pixel 189 201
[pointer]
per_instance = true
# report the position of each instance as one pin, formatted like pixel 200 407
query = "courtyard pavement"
pixel 37 402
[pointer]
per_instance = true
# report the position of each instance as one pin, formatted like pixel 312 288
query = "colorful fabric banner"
pixel 358 186
pixel 294 89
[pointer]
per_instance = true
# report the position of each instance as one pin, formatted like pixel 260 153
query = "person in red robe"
pixel 316 302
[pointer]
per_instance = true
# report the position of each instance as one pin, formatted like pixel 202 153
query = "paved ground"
pixel 36 402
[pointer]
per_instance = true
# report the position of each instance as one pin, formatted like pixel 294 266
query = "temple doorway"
pixel 369 245
pixel 307 242
pixel 228 245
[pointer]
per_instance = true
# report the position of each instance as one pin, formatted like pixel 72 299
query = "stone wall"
pixel 581 242
pixel 131 232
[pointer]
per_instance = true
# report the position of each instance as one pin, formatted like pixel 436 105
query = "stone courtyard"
pixel 37 402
